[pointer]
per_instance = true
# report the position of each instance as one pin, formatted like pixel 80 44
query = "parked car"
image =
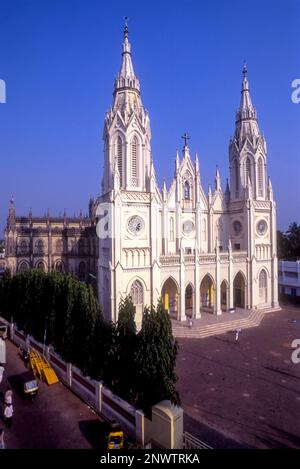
pixel 115 436
pixel 28 384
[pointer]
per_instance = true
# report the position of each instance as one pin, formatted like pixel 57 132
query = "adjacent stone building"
pixel 63 244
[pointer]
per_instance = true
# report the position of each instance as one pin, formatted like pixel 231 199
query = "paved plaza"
pixel 244 394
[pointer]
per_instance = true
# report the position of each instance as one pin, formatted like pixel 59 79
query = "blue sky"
pixel 59 59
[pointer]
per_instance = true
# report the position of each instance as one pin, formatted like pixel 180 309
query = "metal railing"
pixel 191 442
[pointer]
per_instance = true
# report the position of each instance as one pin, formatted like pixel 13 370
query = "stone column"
pixel 197 286
pixel 217 305
pixel 182 287
pixel 230 277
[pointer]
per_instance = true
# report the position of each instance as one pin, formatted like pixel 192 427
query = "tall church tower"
pixel 130 200
pixel 252 208
pixel 247 150
pixel 126 132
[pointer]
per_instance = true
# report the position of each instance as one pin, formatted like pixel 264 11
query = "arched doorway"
pixel 224 295
pixel 41 266
pixel 23 266
pixel 263 286
pixel 137 295
pixel 189 300
pixel 239 291
pixel 169 295
pixel 207 294
pixel 59 266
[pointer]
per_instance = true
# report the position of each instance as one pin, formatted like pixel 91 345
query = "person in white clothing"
pixel 8 414
pixel 8 396
pixel 1 373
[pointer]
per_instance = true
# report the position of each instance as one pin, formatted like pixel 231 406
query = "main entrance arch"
pixel 239 290
pixel 189 300
pixel 170 296
pixel 224 295
pixel 207 294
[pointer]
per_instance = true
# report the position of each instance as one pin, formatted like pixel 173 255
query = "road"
pixel 56 419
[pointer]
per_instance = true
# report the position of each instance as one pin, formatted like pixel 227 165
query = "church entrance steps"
pixel 220 324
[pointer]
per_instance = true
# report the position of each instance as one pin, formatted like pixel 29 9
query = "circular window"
pixel 237 227
pixel 188 227
pixel 135 225
pixel 261 227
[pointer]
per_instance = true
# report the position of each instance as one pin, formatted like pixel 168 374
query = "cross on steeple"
pixel 126 27
pixel 185 137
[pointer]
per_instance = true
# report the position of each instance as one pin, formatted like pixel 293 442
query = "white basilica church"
pixel 201 252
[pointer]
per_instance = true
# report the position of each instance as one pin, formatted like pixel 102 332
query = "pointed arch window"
pixel 134 150
pixel 136 292
pixel 120 157
pixel 248 170
pixel 260 178
pixel 171 229
pixel 187 191
pixel 262 282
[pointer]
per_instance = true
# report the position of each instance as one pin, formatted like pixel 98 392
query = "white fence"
pixel 91 391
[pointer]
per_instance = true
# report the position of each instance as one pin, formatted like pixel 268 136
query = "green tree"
pixel 124 362
pixel 155 360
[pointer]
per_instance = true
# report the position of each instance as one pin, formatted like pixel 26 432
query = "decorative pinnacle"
pixel 245 69
pixel 126 27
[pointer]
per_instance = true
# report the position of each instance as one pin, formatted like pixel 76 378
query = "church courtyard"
pixel 244 394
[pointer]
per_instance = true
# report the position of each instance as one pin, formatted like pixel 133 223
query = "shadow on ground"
pixel 95 432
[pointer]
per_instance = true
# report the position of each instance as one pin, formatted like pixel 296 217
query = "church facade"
pixel 201 252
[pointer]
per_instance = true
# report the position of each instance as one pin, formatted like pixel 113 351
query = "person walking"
pixel 8 414
pixel 2 444
pixel 237 333
pixel 8 396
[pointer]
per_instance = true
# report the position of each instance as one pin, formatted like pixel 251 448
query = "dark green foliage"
pixel 288 243
pixel 125 351
pixel 64 312
pixel 156 359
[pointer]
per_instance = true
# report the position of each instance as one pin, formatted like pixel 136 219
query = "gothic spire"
pixel 126 77
pixel 246 119
pixel 217 179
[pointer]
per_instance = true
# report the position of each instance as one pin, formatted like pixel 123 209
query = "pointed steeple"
pixel 246 103
pixel 177 161
pixel 227 193
pixel 126 77
pixel 270 189
pixel 217 179
pixel 246 118
pixel 11 219
pixel 197 164
pixel 164 191
pixel 209 194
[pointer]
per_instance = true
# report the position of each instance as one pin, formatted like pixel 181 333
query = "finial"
pixel 244 69
pixel 185 137
pixel 126 27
